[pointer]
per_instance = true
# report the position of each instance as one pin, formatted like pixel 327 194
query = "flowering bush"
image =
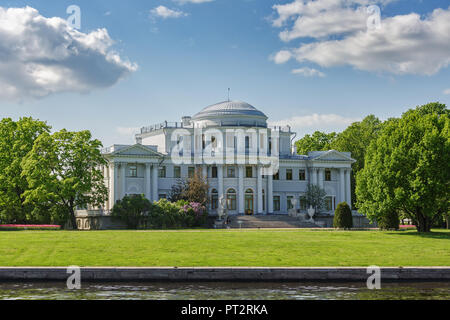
pixel 181 214
pixel 15 227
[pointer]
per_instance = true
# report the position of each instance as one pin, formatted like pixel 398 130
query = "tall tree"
pixel 64 169
pixel 407 168
pixel 318 141
pixel 197 188
pixel 315 196
pixel 17 139
pixel 356 139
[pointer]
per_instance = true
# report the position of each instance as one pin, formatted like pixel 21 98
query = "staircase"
pixel 271 221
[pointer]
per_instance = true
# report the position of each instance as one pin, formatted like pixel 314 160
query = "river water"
pixel 224 291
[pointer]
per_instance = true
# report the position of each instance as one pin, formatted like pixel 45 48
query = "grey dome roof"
pixel 229 108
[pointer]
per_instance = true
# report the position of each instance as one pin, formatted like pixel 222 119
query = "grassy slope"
pixel 224 248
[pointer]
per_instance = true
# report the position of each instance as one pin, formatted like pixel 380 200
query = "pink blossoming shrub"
pixel 16 227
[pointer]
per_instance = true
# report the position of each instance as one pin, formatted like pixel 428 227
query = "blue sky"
pixel 175 66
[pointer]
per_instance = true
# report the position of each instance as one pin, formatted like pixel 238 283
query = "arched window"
pixel 231 199
pixel 249 201
pixel 214 199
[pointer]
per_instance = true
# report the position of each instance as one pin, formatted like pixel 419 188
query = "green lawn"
pixel 224 248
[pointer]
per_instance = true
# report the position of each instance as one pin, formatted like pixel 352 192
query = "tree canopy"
pixel 407 168
pixel 318 141
pixel 17 139
pixel 64 170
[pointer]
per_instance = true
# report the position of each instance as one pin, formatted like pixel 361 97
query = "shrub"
pixel 343 216
pixel 174 215
pixel 132 210
pixel 389 221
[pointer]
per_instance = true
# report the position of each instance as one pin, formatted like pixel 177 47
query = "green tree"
pixel 315 196
pixel 356 139
pixel 343 216
pixel 64 170
pixel 132 210
pixel 196 189
pixel 318 141
pixel 17 139
pixel 407 168
pixel 178 191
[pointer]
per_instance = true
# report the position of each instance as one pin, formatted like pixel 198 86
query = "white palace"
pixel 251 168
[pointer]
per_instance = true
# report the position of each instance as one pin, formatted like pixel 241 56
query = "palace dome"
pixel 231 113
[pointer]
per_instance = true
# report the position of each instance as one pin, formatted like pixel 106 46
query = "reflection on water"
pixel 224 291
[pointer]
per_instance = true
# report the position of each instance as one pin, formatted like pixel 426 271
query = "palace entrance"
pixel 249 202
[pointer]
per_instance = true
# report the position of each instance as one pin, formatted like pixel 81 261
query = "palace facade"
pixel 250 167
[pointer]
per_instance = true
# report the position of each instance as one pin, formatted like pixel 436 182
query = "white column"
pixel 123 167
pixel 321 177
pixel 241 189
pixel 155 182
pixel 342 185
pixel 270 194
pixel 205 171
pixel 147 180
pixel 314 176
pixel 259 189
pixel 348 191
pixel 112 184
pixel 220 180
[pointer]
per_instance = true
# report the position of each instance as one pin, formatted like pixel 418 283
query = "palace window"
pixel 214 172
pixel 214 199
pixel 162 172
pixel 288 174
pixel 162 196
pixel 329 203
pixel 327 175
pixel 303 204
pixel 264 200
pixel 133 171
pixel 276 203
pixel 177 172
pixel 290 205
pixel 270 146
pixel 231 172
pixel 302 175
pixel 213 142
pixel 191 172
pixel 248 172
pixel 276 176
pixel 231 199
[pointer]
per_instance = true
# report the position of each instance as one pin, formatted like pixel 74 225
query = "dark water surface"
pixel 224 291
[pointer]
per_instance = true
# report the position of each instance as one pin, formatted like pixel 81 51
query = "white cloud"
pixel 165 13
pixel 310 123
pixel 41 56
pixel 320 18
pixel 282 56
pixel 308 72
pixel 404 44
pixel 447 91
